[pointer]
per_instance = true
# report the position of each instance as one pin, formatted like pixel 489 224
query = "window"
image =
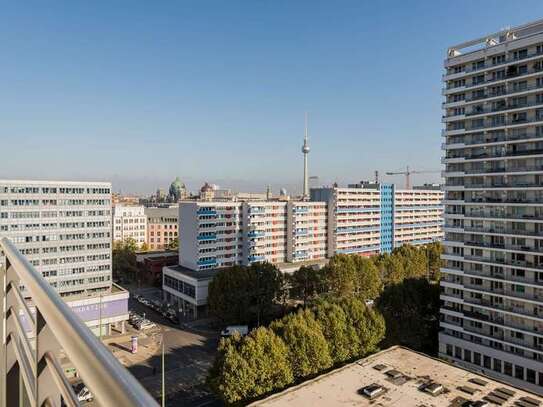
pixel 449 350
pixel 508 368
pixel 530 375
pixel 477 358
pixel 497 365
pixel 458 352
pixel 519 372
pixel 487 362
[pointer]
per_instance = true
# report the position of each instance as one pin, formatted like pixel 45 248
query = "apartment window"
pixel 508 368
pixel 530 376
pixel 477 358
pixel 497 365
pixel 467 355
pixel 519 372
pixel 498 59
pixel 487 362
pixel 458 352
pixel 449 350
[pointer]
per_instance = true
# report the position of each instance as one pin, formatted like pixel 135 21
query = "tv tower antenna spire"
pixel 305 151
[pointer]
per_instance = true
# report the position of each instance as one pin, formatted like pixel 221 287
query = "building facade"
pixel 492 284
pixel 64 229
pixel 129 222
pixel 368 218
pixel 162 227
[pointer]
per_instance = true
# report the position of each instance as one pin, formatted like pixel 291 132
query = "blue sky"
pixel 140 92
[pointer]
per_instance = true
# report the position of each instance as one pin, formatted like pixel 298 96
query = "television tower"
pixel 305 151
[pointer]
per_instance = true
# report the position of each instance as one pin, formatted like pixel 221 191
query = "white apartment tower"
pixel 492 284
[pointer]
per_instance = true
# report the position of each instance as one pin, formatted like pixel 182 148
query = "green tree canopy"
pixel 250 367
pixel 341 275
pixel 244 294
pixel 368 283
pixel 306 283
pixel 333 321
pixel 367 326
pixel 229 296
pixel 411 311
pixel 124 262
pixel 309 352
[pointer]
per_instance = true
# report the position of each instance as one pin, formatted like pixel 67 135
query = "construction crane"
pixel 408 173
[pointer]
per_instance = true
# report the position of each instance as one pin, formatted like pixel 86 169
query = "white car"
pixel 83 394
pixel 230 330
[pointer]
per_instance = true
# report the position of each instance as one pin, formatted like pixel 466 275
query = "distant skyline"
pixel 138 93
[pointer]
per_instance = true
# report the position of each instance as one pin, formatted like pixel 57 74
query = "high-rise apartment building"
pixel 492 284
pixel 64 229
pixel 129 222
pixel 162 227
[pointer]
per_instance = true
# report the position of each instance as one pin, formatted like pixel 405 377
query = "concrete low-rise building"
pixel 400 377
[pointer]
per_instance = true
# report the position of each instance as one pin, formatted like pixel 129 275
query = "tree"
pixel 229 296
pixel 266 284
pixel 241 295
pixel 124 259
pixel 228 376
pixel 144 247
pixel 414 260
pixel 250 367
pixel 306 282
pixel 308 352
pixel 333 321
pixel 341 275
pixel 391 268
pixel 174 244
pixel 366 326
pixel 368 284
pixel 433 253
pixel 411 310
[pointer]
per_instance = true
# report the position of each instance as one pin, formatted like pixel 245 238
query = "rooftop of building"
pixel 290 266
pixel 140 256
pixel 53 182
pixel 498 38
pixel 155 212
pixel 194 274
pixel 407 379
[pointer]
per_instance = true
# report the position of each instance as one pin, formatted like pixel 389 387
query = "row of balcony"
pixel 496 154
pixel 476 214
pixel 485 65
pixel 494 124
pixel 512 72
pixel 482 139
pixel 529 279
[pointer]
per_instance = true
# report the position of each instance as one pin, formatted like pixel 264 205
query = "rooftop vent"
pixel 372 391
pixel 379 367
pixel 394 374
pixel 433 388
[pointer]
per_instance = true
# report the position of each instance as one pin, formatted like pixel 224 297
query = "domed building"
pixel 177 190
pixel 207 192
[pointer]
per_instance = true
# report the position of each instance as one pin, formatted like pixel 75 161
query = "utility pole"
pixel 163 375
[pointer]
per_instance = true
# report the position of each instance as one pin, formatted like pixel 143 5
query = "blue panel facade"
pixel 387 217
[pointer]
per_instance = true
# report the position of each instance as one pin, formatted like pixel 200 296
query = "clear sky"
pixel 140 92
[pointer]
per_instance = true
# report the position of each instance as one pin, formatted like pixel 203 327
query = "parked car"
pixel 82 392
pixel 230 330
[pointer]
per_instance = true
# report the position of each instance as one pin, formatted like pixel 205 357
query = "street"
pixel 188 354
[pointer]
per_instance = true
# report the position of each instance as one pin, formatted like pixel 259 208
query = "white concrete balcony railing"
pixel 30 373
